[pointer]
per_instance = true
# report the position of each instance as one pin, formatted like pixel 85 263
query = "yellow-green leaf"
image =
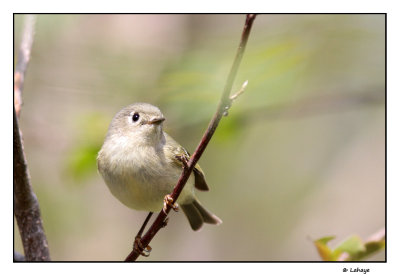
pixel 324 251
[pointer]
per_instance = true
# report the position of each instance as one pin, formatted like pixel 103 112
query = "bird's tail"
pixel 197 215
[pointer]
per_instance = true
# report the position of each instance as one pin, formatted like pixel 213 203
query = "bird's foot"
pixel 184 159
pixel 138 247
pixel 168 202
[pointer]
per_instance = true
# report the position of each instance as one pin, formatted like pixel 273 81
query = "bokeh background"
pixel 300 156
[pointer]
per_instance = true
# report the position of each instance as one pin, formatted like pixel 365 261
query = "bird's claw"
pixel 138 247
pixel 168 202
pixel 184 159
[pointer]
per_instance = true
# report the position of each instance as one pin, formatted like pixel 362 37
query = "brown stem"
pixel 26 206
pixel 223 107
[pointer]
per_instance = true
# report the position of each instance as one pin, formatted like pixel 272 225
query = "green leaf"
pixel 352 245
pixel 370 247
pixel 324 251
pixel 351 249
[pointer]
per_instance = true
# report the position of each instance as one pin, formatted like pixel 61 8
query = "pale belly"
pixel 147 193
pixel 142 176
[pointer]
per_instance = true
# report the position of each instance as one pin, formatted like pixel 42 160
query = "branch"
pixel 26 206
pixel 222 110
pixel 24 56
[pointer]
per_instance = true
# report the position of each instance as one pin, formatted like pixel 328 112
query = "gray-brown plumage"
pixel 140 164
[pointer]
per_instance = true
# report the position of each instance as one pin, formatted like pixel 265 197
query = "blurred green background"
pixel 300 156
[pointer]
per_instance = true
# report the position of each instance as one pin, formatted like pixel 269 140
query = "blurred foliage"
pixel 196 82
pixel 299 136
pixel 81 161
pixel 351 249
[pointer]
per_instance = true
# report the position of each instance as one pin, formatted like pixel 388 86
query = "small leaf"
pixel 374 244
pixel 351 249
pixel 352 246
pixel 324 251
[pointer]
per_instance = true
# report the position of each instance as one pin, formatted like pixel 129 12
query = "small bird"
pixel 141 164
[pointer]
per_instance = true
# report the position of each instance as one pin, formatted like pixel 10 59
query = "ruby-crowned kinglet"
pixel 141 164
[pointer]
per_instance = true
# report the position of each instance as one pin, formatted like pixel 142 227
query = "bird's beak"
pixel 156 121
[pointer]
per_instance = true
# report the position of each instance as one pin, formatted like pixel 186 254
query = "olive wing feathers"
pixel 178 154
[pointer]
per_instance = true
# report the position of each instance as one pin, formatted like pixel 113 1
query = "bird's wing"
pixel 179 154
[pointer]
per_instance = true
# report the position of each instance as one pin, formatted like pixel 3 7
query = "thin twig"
pixel 240 92
pixel 380 235
pixel 24 56
pixel 223 106
pixel 26 206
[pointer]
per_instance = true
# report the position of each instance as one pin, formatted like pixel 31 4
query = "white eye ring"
pixel 135 117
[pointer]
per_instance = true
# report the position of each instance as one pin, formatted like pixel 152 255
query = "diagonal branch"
pixel 26 206
pixel 222 110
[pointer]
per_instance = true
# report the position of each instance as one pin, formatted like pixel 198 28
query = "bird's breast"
pixel 141 177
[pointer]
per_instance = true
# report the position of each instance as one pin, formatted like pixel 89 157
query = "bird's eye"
pixel 135 117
